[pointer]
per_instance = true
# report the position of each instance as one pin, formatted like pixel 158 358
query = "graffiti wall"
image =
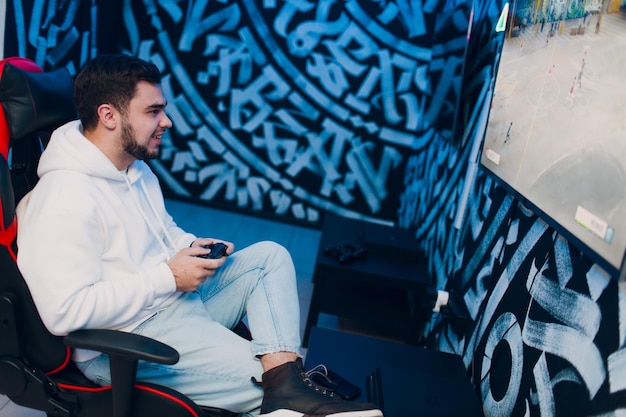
pixel 284 108
pixel 372 110
pixel 540 327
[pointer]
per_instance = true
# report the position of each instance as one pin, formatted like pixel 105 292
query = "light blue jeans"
pixel 216 365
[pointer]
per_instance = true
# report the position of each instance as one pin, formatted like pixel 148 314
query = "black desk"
pixel 412 381
pixel 382 289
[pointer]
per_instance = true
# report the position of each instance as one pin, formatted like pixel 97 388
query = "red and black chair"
pixel 35 367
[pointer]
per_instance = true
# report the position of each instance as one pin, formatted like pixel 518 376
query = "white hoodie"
pixel 93 241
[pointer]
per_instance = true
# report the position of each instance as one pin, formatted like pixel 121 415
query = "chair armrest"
pixel 124 351
pixel 122 344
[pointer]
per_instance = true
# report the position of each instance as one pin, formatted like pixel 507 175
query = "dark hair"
pixel 110 79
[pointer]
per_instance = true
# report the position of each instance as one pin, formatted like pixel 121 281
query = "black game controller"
pixel 345 253
pixel 218 250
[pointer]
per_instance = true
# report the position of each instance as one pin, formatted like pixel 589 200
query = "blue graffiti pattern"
pixel 292 107
pixel 538 311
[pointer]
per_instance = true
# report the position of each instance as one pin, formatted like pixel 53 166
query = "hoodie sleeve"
pixel 61 245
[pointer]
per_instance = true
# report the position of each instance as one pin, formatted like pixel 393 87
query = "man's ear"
pixel 108 116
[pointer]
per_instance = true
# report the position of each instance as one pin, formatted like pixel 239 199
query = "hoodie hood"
pixel 70 150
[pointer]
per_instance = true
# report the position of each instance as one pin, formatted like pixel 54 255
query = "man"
pixel 98 250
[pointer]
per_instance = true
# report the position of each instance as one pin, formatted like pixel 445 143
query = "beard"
pixel 132 147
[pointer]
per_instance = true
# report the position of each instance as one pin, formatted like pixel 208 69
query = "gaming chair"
pixel 35 367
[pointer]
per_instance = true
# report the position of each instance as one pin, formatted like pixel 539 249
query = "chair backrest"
pixel 33 104
pixel 5 132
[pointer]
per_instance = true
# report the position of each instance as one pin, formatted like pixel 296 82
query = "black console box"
pixel 403 380
pixel 401 392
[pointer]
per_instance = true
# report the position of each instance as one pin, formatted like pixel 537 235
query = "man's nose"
pixel 166 122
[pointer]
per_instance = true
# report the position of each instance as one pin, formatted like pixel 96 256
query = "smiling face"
pixel 144 122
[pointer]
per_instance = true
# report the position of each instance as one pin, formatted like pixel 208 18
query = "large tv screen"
pixel 556 132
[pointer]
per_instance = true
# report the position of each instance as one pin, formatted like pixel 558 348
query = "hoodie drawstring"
pixel 168 237
pixel 145 217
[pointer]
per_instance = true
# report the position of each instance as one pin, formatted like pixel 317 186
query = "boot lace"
pixel 322 372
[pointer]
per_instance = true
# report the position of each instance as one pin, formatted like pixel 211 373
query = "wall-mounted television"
pixel 556 131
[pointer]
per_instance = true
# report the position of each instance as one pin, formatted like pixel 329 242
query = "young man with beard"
pixel 98 250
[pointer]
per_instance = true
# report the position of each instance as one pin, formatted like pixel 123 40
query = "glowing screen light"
pixel 501 26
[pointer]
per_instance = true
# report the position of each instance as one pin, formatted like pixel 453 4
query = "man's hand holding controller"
pixel 192 266
pixel 218 250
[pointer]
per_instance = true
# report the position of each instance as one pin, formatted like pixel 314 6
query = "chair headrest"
pixel 34 101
